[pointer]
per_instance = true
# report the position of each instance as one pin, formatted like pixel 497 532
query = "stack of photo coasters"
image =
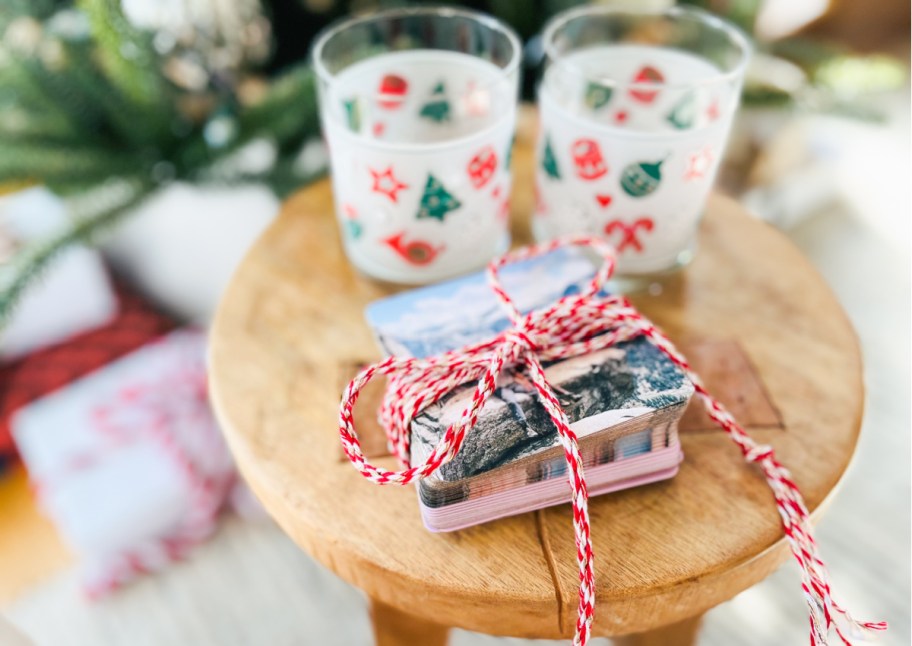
pixel 623 402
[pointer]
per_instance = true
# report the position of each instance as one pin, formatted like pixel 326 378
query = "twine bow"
pixel 571 326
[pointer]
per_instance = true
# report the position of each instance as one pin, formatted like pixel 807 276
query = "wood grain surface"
pixel 291 325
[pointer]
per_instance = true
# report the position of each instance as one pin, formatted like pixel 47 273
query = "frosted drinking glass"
pixel 635 113
pixel 418 109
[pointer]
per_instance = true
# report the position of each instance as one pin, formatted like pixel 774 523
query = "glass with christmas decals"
pixel 635 112
pixel 418 108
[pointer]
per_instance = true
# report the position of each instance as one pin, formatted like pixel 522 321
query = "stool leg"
pixel 683 633
pixel 392 627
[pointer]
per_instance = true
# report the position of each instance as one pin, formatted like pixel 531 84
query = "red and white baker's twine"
pixel 177 401
pixel 572 326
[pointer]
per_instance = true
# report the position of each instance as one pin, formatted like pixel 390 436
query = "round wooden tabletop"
pixel 290 329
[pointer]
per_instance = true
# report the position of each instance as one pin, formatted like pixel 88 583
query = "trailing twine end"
pixel 574 325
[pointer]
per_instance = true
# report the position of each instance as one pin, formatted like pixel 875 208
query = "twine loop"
pixel 573 325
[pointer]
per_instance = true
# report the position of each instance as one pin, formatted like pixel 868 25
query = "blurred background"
pixel 144 144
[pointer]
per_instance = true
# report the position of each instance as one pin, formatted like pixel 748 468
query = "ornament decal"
pixel 603 200
pixel 646 76
pixel 482 166
pixel 436 202
pixel 698 164
pixel 684 113
pixel 549 161
pixel 587 156
pixel 597 95
pixel 639 179
pixel 386 183
pixel 415 252
pixel 352 114
pixel 629 232
pixel 438 108
pixel 620 117
pixel 392 91
pixel 378 129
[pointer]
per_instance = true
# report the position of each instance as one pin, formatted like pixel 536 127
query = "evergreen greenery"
pixel 90 112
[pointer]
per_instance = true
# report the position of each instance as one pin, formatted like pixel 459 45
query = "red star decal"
pixel 387 184
pixel 698 164
pixel 620 116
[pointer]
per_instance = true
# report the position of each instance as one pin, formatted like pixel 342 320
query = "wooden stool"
pixel 754 317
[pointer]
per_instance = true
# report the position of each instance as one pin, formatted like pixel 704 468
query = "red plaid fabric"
pixel 44 371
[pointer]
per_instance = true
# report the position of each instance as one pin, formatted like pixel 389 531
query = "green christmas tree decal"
pixel 684 113
pixel 352 114
pixel 639 179
pixel 436 201
pixel 549 162
pixel 438 109
pixel 597 95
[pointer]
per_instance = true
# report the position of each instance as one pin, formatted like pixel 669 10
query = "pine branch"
pixel 28 95
pixel 130 63
pixel 30 263
pixel 21 125
pixel 55 163
pixel 123 119
pixel 288 112
pixel 287 115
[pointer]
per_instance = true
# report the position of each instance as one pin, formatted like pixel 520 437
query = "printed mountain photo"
pixel 622 402
pixel 597 391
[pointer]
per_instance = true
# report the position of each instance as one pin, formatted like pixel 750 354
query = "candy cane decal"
pixel 629 232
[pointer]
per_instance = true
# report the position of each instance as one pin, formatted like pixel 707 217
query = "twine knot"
pixel 573 325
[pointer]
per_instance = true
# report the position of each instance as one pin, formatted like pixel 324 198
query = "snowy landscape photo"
pixel 438 318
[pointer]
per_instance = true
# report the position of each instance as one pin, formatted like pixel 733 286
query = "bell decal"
pixel 587 157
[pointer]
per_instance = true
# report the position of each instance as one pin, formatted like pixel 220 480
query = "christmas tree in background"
pixel 104 111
